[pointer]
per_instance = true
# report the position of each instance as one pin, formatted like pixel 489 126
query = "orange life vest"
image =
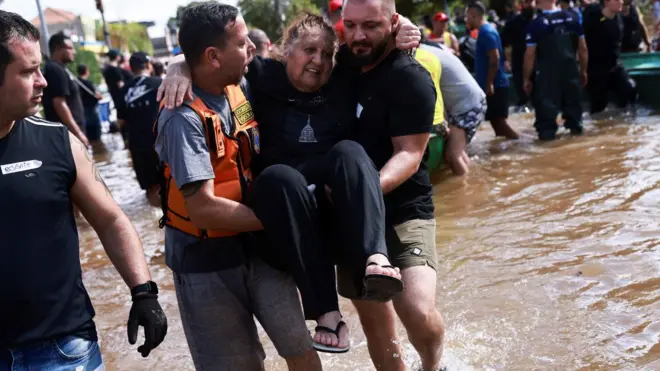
pixel 231 147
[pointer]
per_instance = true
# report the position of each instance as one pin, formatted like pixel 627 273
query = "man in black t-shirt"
pixel 46 315
pixel 395 111
pixel 513 36
pixel 90 100
pixel 62 101
pixel 115 77
pixel 138 113
pixel 603 32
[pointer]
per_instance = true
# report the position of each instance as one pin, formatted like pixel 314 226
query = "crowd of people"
pixel 533 42
pixel 296 168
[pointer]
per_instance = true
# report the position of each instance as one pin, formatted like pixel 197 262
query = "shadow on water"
pixel 548 257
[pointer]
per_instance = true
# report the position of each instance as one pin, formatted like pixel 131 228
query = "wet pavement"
pixel 548 253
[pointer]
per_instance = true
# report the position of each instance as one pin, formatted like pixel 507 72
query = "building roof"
pixel 55 16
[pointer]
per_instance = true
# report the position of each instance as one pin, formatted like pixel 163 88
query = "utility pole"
pixel 106 34
pixel 44 29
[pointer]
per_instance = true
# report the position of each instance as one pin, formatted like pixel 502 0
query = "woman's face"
pixel 310 60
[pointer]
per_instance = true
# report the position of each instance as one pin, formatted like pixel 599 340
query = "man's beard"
pixel 377 51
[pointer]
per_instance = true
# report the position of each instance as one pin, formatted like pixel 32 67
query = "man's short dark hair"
pixel 204 25
pixel 13 26
pixel 259 39
pixel 82 69
pixel 57 41
pixel 159 68
pixel 478 6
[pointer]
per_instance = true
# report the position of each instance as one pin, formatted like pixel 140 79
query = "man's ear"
pixel 213 56
pixel 395 21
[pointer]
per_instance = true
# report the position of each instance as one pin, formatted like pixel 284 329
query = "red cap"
pixel 339 30
pixel 335 5
pixel 441 17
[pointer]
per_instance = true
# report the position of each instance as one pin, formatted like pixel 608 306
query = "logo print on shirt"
pixel 18 167
pixel 136 92
pixel 307 133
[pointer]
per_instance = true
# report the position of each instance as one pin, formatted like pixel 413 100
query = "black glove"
pixel 146 312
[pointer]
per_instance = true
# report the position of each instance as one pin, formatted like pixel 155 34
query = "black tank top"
pixel 42 294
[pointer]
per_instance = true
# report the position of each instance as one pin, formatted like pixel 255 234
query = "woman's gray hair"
pixel 298 27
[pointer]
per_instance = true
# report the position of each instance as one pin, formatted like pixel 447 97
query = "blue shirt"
pixel 540 27
pixel 488 40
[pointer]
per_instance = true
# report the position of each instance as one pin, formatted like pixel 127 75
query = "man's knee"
pixel 421 313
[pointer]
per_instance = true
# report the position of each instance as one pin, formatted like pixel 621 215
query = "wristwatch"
pixel 150 288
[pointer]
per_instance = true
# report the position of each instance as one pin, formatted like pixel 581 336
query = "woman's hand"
pixel 407 34
pixel 177 85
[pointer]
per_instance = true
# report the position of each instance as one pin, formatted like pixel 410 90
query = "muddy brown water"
pixel 549 257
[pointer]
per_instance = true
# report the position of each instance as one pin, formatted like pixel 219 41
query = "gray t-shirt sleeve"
pixel 181 143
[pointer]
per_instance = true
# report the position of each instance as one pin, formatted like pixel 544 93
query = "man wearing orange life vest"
pixel 206 146
pixel 440 33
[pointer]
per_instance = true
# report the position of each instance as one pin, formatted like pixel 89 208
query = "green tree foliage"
pixel 89 59
pixel 261 14
pixel 271 16
pixel 128 36
pixel 295 7
pixel 415 10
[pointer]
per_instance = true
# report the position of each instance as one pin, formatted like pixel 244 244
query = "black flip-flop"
pixel 327 348
pixel 381 287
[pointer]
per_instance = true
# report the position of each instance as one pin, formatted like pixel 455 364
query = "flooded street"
pixel 549 257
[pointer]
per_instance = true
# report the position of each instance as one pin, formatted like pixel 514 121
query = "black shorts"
pixel 498 104
pixel 146 168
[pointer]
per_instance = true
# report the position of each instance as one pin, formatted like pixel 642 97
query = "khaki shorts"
pixel 409 244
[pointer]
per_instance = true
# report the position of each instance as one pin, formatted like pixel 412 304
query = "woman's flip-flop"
pixel 327 348
pixel 381 287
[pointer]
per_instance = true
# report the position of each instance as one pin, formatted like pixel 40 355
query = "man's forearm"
pixel 528 65
pixel 122 244
pixel 583 56
pixel 222 214
pixel 398 169
pixel 645 31
pixel 64 113
pixel 493 66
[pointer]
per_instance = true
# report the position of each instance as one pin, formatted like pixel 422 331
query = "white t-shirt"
pixel 460 91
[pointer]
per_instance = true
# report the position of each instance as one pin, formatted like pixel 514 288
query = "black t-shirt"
pixel 513 35
pixel 140 109
pixel 88 97
pixel 397 98
pixel 113 75
pixel 296 127
pixel 62 83
pixel 603 36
